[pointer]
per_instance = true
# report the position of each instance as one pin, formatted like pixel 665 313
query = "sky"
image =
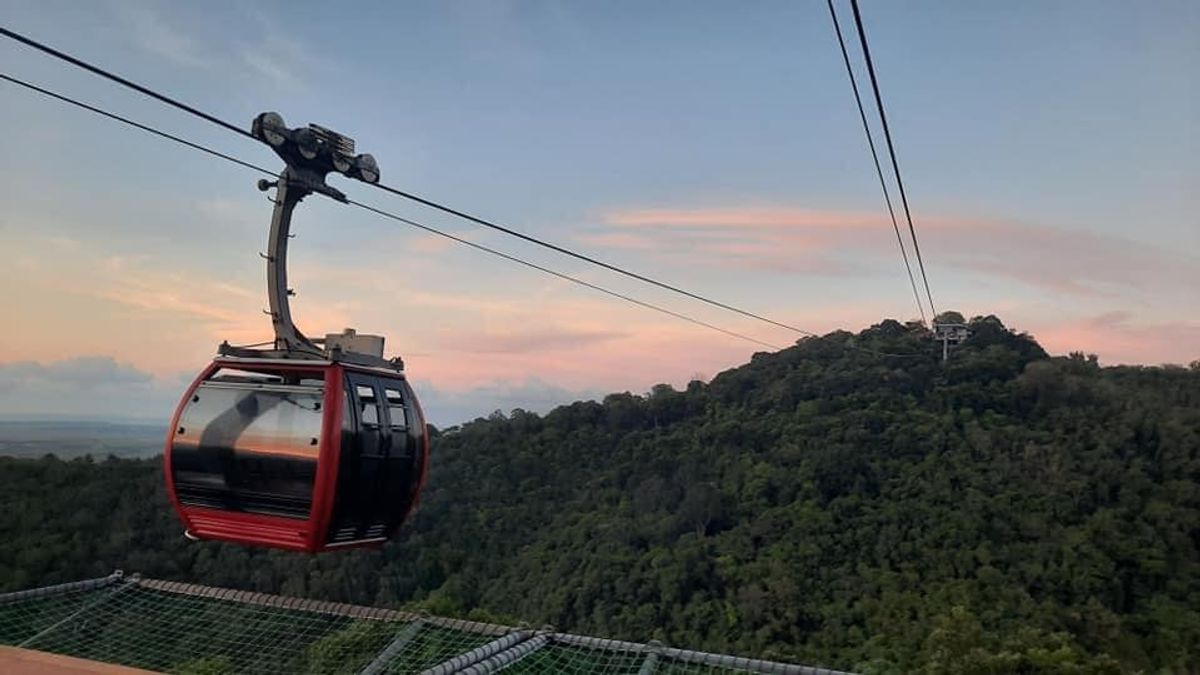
pixel 1051 153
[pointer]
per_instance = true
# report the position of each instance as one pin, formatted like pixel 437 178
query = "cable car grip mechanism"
pixel 310 154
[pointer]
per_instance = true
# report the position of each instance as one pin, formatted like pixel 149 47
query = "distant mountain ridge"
pixel 68 438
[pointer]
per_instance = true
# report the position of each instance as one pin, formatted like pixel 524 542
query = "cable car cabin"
pixel 301 455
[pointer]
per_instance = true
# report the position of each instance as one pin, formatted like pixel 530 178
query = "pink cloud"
pixel 619 240
pixel 1116 337
pixel 527 341
pixel 758 238
pixel 807 241
pixel 583 355
pixel 1068 261
pixel 755 217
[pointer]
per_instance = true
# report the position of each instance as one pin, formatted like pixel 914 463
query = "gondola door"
pixel 403 460
pixel 362 472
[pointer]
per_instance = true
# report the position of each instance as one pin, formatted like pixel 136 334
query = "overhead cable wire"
pixel 560 275
pixel 387 214
pixel 862 38
pixel 30 42
pixel 593 261
pixel 417 198
pixel 132 123
pixel 887 197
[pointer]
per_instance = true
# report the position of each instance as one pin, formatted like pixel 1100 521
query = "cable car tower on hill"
pixel 311 444
pixel 950 334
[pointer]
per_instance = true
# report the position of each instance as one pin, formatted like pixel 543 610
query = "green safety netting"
pixel 186 628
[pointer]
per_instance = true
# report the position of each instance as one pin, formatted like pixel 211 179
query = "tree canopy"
pixel 831 503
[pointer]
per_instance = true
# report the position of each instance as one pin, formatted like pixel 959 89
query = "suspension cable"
pixel 862 38
pixel 28 41
pixel 887 197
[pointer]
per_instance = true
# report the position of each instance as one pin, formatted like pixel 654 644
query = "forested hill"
pixel 830 504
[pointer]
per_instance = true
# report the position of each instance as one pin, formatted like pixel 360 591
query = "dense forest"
pixel 850 501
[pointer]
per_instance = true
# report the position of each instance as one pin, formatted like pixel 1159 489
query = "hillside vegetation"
pixel 1005 513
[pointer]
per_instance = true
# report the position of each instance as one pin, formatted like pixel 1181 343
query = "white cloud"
pixel 100 387
pixel 275 58
pixel 447 407
pixel 193 40
pixel 85 387
pixel 154 33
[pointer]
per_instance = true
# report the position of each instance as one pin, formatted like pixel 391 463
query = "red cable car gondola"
pixel 300 446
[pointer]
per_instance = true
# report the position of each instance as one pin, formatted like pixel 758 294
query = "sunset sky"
pixel 1051 153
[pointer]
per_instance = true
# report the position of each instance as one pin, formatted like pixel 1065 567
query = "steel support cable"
pixel 862 38
pixel 413 197
pixel 560 275
pixel 132 123
pixel 386 214
pixel 593 261
pixel 30 42
pixel 887 197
